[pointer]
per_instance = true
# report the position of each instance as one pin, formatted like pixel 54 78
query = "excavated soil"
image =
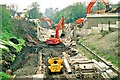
pixel 28 68
pixel 26 62
pixel 31 64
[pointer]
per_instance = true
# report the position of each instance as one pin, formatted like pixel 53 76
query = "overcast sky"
pixel 22 4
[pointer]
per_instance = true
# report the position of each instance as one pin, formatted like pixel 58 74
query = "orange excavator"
pixel 80 21
pixel 57 39
pixel 48 21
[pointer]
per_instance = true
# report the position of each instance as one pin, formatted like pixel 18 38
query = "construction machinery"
pixel 55 64
pixel 47 20
pixel 80 22
pixel 56 39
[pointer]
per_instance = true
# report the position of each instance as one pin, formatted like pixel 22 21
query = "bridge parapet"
pixel 95 19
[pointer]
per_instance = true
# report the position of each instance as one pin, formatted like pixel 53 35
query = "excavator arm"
pixel 48 21
pixel 80 21
pixel 57 40
pixel 61 23
pixel 108 7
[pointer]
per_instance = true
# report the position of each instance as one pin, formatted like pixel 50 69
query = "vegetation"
pixel 71 13
pixel 12 9
pixel 4 76
pixel 8 49
pixel 103 33
pixel 34 11
pixel 99 6
pixel 50 12
pixel 6 24
pixel 104 44
pixel 77 10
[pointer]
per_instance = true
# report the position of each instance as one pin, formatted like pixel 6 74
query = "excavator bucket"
pixel 80 25
pixel 62 35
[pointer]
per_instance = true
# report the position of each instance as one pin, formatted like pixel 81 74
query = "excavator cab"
pixel 80 22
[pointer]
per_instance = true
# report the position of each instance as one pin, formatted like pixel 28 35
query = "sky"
pixel 22 4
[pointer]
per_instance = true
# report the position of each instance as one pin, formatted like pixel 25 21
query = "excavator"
pixel 56 40
pixel 48 21
pixel 80 22
pixel 56 63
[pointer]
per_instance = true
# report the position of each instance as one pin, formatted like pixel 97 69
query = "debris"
pixel 9 72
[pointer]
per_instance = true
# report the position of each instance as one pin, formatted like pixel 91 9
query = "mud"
pixel 30 54
pixel 28 68
pixel 32 58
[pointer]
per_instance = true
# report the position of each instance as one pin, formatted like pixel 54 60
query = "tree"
pixel 6 24
pixel 100 5
pixel 12 9
pixel 50 12
pixel 71 13
pixel 35 5
pixel 34 11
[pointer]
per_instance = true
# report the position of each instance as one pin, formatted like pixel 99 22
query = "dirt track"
pixel 28 68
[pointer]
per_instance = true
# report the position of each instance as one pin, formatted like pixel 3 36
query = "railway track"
pixel 110 71
pixel 101 59
pixel 80 67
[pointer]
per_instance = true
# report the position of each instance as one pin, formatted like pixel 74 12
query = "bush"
pixel 4 76
pixel 103 33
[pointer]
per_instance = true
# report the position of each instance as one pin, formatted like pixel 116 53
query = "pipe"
pixel 67 66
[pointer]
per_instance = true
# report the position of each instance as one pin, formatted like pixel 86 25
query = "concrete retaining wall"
pixel 95 19
pixel 97 29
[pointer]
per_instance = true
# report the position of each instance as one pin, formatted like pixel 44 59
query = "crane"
pixel 57 39
pixel 80 22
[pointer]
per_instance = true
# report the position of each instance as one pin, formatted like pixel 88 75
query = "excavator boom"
pixel 61 23
pixel 48 21
pixel 57 39
pixel 80 21
pixel 108 8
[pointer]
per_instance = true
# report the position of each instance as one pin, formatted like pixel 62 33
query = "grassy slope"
pixel 106 47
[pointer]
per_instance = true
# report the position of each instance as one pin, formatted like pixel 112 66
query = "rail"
pixel 94 54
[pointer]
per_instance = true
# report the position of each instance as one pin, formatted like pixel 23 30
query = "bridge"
pixel 95 19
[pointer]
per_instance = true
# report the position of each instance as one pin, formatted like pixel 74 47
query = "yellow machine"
pixel 55 64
